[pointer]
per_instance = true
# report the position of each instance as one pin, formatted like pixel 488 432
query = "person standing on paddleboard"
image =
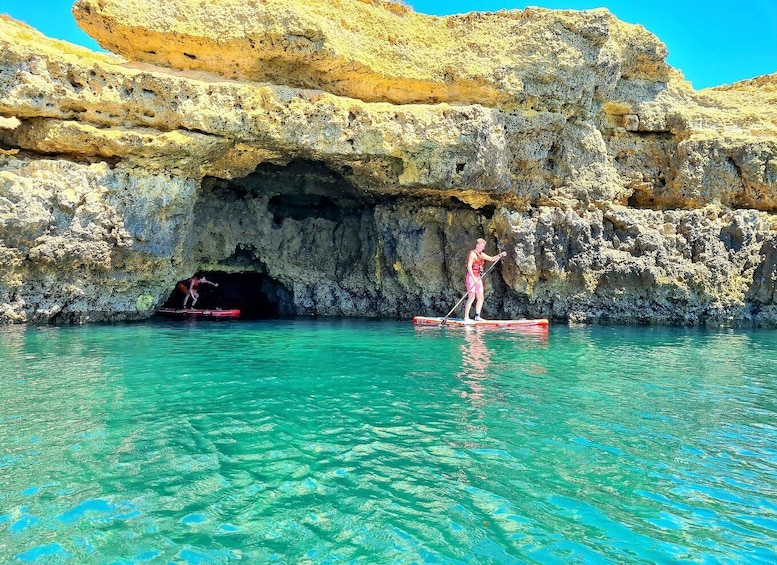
pixel 191 291
pixel 475 262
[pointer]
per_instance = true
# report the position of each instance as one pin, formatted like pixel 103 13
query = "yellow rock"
pixel 382 51
pixel 350 152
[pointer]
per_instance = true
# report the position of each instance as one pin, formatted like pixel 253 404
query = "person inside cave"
pixel 190 288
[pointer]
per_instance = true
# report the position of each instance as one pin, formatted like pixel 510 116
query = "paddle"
pixel 445 319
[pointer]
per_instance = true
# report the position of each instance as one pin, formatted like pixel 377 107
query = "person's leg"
pixel 479 305
pixel 195 296
pixel 470 300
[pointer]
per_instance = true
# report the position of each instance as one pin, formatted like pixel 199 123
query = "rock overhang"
pixel 375 52
pixel 537 150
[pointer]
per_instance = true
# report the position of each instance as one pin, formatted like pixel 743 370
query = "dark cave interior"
pixel 257 296
pixel 299 191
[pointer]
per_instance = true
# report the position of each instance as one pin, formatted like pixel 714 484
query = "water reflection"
pixel 475 361
pixel 477 357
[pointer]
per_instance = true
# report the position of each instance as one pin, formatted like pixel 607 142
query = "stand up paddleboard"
pixel 459 322
pixel 234 313
pixel 540 324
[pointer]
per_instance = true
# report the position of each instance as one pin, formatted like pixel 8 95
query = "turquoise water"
pixel 374 442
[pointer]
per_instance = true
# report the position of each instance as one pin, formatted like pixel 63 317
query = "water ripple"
pixel 363 443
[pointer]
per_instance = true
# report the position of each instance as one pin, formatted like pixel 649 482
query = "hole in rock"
pixel 257 296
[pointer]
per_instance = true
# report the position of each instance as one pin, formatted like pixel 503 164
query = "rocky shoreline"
pixel 311 154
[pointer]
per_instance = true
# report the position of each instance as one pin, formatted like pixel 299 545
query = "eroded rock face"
pixel 85 242
pixel 348 154
pixel 393 257
pixel 382 51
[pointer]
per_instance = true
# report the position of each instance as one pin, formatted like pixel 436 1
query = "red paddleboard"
pixel 234 313
pixel 459 322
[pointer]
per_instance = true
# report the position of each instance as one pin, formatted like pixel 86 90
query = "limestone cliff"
pixel 347 153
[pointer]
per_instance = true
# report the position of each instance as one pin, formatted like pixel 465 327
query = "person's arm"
pixel 204 280
pixel 470 261
pixel 489 258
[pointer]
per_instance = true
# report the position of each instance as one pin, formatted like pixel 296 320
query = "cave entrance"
pixel 309 222
pixel 257 296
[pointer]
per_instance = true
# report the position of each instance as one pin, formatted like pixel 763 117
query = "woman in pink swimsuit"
pixel 475 261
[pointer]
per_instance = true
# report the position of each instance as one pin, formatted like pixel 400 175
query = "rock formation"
pixel 346 155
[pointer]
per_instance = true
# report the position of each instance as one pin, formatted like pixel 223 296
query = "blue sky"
pixel 712 42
